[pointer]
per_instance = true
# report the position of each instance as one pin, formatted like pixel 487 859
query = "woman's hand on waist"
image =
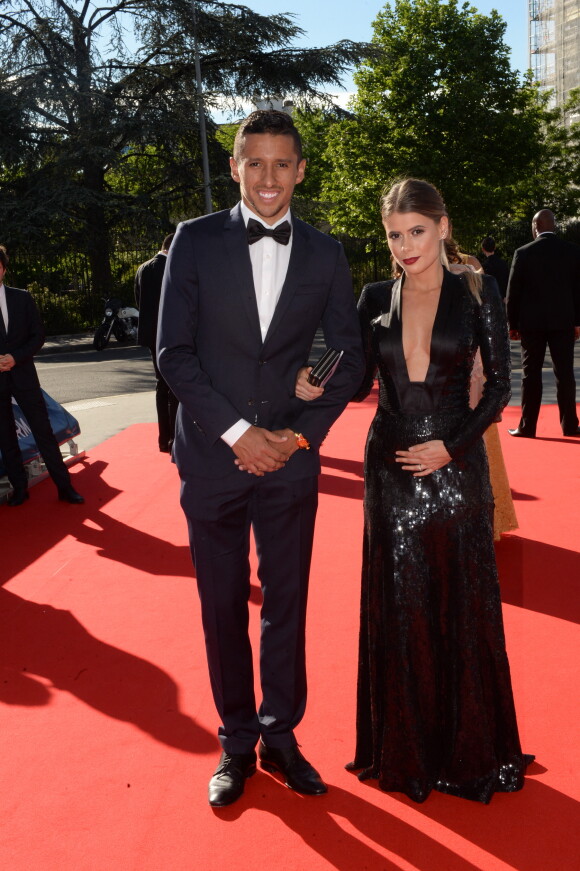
pixel 425 458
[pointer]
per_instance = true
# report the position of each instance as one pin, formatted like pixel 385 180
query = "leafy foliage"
pixel 315 123
pixel 99 97
pixel 554 177
pixel 442 103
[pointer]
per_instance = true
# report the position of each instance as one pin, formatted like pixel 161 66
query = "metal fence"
pixel 61 281
pixel 62 287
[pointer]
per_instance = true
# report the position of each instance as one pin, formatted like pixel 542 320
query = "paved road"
pixel 87 374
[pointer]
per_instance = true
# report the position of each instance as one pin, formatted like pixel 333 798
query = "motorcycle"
pixel 119 321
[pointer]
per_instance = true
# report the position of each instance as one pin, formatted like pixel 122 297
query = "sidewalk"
pixel 102 418
pixel 66 344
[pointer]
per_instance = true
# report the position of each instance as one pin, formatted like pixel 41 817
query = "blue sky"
pixel 327 21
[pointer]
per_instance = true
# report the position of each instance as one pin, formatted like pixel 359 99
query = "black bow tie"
pixel 280 234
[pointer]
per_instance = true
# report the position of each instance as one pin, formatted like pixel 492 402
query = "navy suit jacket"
pixel 210 348
pixel 25 337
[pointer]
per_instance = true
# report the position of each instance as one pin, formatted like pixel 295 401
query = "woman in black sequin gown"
pixel 435 707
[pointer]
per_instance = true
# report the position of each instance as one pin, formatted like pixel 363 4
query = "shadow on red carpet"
pixel 539 577
pixel 519 830
pixel 41 642
pixel 48 522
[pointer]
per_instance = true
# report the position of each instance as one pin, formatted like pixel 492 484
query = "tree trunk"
pixel 97 233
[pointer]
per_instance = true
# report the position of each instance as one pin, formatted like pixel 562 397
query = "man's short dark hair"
pixel 488 244
pixel 268 121
pixel 167 242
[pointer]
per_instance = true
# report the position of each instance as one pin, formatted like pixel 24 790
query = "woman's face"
pixel 415 240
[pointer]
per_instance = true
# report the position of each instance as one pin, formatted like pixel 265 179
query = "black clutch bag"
pixel 325 368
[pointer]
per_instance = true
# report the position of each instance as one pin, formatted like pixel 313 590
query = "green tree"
pixel 440 103
pixel 105 93
pixel 314 123
pixel 554 177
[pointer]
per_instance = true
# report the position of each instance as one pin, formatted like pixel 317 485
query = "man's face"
pixel 2 272
pixel 267 170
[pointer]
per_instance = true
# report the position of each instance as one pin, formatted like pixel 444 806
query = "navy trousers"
pixel 220 514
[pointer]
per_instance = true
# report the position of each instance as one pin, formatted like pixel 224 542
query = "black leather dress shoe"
pixel 229 778
pixel 574 434
pixel 69 494
pixel 518 434
pixel 298 773
pixel 19 497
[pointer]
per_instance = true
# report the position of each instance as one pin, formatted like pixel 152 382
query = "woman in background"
pixel 504 515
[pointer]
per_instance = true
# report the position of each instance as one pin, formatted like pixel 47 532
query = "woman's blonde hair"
pixel 455 256
pixel 416 195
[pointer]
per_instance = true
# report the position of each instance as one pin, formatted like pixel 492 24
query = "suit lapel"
pixel 446 334
pixel 3 330
pixel 236 243
pixel 301 249
pixel 391 338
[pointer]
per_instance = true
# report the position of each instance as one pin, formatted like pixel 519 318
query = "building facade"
pixel 554 39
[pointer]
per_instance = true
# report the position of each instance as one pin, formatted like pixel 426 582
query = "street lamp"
pixel 201 115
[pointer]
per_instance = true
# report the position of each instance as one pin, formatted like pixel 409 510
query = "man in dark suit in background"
pixel 21 336
pixel 244 293
pixel 148 281
pixel 494 265
pixel 543 308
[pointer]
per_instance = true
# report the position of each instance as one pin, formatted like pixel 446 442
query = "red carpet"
pixel 107 720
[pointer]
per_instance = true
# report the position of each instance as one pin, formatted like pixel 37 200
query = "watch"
pixel 302 442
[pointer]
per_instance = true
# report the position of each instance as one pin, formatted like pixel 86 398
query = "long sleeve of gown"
pixel 495 355
pixel 370 306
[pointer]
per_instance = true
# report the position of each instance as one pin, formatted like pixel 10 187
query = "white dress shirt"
pixel 3 306
pixel 270 262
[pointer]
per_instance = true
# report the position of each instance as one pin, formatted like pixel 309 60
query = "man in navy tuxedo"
pixel 244 293
pixel 21 336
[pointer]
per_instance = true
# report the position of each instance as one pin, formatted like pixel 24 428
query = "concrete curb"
pixel 66 344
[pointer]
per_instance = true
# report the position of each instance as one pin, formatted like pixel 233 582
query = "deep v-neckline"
pixel 434 327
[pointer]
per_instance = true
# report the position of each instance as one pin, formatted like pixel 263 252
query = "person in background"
pixel 495 265
pixel 504 513
pixel 21 336
pixel 148 281
pixel 543 308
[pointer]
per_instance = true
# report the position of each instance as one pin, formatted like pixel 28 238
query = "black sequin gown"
pixel 435 707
